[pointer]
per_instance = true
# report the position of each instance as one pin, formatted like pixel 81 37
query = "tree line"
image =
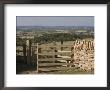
pixel 61 37
pixel 46 38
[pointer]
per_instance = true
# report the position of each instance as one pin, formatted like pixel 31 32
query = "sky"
pixel 55 20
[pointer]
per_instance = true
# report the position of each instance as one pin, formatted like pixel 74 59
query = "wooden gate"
pixel 59 58
pixel 54 60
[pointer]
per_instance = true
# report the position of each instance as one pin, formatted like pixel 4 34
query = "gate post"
pixel 24 52
pixel 28 43
pixel 55 50
pixel 72 56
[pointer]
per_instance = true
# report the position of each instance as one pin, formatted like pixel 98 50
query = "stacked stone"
pixel 84 54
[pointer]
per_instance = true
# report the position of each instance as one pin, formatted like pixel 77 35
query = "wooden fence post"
pixel 72 55
pixel 28 43
pixel 24 52
pixel 55 50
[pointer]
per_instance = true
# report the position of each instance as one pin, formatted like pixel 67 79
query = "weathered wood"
pixel 19 50
pixel 59 57
pixel 41 46
pixel 55 53
pixel 28 43
pixel 54 59
pixel 51 64
pixel 56 68
pixel 24 50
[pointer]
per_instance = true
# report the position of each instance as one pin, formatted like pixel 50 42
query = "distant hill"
pixel 55 28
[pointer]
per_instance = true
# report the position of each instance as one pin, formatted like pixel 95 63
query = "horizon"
pixel 55 26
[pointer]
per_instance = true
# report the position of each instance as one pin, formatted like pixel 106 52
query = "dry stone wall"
pixel 83 54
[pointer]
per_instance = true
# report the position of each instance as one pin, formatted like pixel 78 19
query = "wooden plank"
pixel 51 64
pixel 42 46
pixel 19 50
pixel 34 45
pixel 56 68
pixel 54 53
pixel 54 59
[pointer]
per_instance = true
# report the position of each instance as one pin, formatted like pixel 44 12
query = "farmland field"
pixel 55 45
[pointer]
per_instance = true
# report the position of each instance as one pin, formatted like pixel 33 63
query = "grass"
pixel 26 69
